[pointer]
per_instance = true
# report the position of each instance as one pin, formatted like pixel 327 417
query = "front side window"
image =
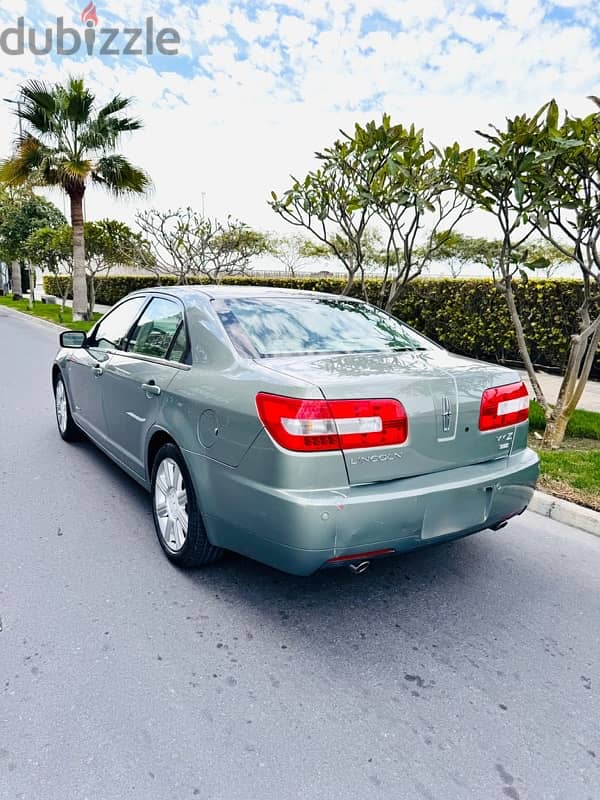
pixel 111 332
pixel 159 326
pixel 267 327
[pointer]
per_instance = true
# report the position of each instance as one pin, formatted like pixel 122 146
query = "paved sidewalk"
pixel 590 399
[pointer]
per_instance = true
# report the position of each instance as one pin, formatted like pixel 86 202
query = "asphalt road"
pixel 470 670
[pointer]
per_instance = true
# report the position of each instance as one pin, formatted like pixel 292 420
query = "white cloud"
pixel 235 136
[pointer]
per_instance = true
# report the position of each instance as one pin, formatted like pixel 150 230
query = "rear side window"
pixel 111 332
pixel 157 329
pixel 267 327
pixel 179 346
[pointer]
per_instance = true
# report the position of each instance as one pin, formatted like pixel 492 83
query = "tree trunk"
pixel 92 291
pixel 31 302
pixel 522 344
pixel 579 366
pixel 17 289
pixel 349 284
pixel 80 293
pixel 555 432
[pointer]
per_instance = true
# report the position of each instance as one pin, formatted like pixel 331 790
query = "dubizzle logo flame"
pixel 88 15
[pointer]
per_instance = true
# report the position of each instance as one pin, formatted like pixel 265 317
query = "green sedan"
pixel 300 429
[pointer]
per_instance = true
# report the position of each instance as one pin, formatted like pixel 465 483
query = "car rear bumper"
pixel 299 532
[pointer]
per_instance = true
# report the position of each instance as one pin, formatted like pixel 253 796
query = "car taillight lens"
pixel 315 425
pixel 504 405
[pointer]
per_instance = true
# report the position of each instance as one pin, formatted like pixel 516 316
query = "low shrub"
pixel 468 316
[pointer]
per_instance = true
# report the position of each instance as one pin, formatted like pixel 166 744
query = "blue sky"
pixel 259 86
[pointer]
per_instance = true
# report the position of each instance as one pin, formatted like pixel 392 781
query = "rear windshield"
pixel 267 327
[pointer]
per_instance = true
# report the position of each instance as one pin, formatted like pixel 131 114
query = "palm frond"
pixel 18 170
pixel 39 93
pixel 75 169
pixel 119 176
pixel 66 141
pixel 74 100
pixel 103 133
pixel 118 103
pixel 38 105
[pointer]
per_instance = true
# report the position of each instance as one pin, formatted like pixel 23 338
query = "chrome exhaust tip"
pixel 360 567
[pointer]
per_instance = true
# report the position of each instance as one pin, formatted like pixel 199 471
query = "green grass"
pixel 49 312
pixel 578 468
pixel 572 474
pixel 583 424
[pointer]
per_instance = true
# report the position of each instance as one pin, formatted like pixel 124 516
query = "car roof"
pixel 213 291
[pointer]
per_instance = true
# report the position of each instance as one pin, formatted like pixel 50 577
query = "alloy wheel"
pixel 170 503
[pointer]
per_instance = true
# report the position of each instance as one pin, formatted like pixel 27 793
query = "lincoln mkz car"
pixel 300 429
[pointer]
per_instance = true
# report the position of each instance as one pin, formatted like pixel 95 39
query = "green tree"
pixel 495 184
pixel 186 244
pixel 68 142
pixel 21 213
pixel 109 243
pixel 457 250
pixel 372 254
pixel 51 249
pixel 539 176
pixel 290 251
pixel 563 192
pixel 328 205
pixel 383 177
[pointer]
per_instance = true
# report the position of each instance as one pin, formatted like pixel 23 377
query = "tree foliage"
pixel 383 177
pixel 68 142
pixel 22 213
pixel 185 244
pixel 292 251
pixel 541 176
pixel 110 243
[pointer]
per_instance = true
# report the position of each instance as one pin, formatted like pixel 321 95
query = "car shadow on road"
pixel 449 590
pixel 442 595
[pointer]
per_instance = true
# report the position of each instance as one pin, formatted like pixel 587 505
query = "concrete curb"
pixel 36 320
pixel 584 519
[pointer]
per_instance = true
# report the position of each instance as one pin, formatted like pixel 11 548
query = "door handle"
pixel 97 370
pixel 151 388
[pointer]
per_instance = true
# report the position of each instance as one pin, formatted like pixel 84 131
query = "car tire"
pixel 174 503
pixel 67 427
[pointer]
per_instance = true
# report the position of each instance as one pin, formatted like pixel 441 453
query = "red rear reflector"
pixel 361 556
pixel 504 405
pixel 317 425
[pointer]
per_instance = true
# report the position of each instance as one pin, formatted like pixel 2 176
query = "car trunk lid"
pixel 440 392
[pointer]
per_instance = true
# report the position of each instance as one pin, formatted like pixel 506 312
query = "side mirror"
pixel 72 339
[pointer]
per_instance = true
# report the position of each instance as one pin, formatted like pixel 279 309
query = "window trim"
pixel 185 364
pixel 151 359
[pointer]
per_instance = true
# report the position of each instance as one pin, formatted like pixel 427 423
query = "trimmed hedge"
pixel 467 316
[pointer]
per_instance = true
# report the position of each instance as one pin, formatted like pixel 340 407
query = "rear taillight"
pixel 504 405
pixel 314 425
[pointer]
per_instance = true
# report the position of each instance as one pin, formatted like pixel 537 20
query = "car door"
pixel 86 366
pixel 136 378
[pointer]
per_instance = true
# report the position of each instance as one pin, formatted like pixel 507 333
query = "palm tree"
pixel 67 143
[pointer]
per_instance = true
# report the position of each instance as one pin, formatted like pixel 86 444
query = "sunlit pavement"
pixel 469 670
